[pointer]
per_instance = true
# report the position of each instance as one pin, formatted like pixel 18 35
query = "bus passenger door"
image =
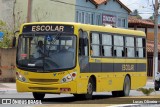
pixel 83 53
pixel 83 60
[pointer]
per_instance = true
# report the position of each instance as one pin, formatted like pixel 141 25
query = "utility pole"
pixel 155 64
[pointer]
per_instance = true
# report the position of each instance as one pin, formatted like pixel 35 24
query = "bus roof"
pixel 87 27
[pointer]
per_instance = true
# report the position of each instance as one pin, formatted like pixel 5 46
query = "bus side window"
pixel 107 45
pixel 118 46
pixel 130 49
pixel 95 44
pixel 140 47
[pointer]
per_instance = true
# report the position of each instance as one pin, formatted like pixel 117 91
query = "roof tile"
pixel 134 20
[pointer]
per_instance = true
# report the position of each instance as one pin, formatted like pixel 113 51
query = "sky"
pixel 144 7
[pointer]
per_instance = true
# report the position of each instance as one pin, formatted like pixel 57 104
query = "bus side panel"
pixel 140 77
pixel 119 74
pixel 82 83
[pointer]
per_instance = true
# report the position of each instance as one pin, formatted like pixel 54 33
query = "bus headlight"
pixel 20 77
pixel 69 77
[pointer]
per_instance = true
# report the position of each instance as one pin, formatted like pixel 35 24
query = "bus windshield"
pixel 46 52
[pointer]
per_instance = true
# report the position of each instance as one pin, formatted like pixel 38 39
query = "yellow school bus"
pixel 79 59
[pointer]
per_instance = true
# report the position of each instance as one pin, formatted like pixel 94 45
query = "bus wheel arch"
pixel 94 82
pixel 38 96
pixel 90 87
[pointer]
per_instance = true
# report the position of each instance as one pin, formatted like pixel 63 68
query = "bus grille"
pixel 43 80
pixel 43 88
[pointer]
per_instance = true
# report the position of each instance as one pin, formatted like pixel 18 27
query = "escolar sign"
pixel 48 28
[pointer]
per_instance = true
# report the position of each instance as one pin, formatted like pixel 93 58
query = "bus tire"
pixel 156 88
pixel 38 96
pixel 126 87
pixel 90 88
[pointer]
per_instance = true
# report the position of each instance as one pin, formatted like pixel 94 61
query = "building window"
pixel 92 19
pixel 84 17
pixel 98 19
pixel 121 22
pixel 78 16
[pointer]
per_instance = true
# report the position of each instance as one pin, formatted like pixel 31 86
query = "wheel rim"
pixel 89 88
pixel 127 87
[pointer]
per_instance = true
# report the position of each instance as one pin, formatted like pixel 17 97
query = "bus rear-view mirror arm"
pixel 14 39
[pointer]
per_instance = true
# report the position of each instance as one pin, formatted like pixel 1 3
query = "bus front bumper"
pixel 69 87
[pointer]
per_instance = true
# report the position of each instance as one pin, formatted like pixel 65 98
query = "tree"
pixel 6 41
pixel 151 17
pixel 10 24
pixel 136 13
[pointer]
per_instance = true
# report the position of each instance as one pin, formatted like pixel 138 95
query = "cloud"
pixel 144 7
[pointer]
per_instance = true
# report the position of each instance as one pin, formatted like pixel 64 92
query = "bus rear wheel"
pixel 38 96
pixel 126 87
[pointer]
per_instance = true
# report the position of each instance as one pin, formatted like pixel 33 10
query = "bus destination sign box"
pixel 48 28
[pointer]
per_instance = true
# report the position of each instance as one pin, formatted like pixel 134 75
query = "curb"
pixel 126 105
pixel 4 90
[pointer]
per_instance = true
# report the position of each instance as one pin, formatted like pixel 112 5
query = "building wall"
pixel 50 10
pixel 117 12
pixel 6 11
pixel 20 11
pixel 7 64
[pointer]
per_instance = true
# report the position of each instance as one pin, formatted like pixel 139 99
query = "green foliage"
pixel 6 41
pixel 136 14
pixel 151 17
pixel 146 91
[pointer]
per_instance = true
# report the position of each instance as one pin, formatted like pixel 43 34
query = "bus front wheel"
pixel 90 88
pixel 38 96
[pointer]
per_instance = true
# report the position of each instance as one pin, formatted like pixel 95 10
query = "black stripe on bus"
pixel 114 67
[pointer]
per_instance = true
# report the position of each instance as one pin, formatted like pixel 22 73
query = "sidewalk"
pixel 7 87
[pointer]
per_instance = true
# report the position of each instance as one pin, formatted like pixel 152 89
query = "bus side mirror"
pixel 14 39
pixel 14 42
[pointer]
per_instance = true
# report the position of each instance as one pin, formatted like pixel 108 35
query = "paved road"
pixel 99 98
